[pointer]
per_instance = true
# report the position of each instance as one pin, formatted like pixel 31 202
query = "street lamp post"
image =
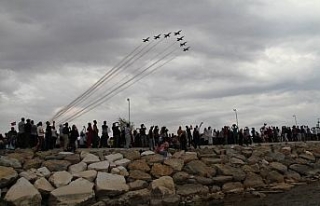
pixel 295 119
pixel 235 111
pixel 129 109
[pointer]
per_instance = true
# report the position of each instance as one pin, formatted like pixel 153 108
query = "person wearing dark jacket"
pixel 74 134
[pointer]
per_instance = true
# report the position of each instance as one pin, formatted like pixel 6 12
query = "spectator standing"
pixel 74 134
pixel 127 133
pixel 65 136
pixel 90 135
pixel 151 139
pixel 48 136
pixel 34 134
pixel 21 132
pixel 105 135
pixel 40 133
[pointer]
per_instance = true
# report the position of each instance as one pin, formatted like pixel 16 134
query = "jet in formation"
pixel 177 33
pixel 180 38
pixel 157 36
pixel 186 49
pixel 167 35
pixel 183 44
pixel 146 39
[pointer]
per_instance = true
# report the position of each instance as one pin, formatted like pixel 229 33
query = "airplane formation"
pixel 167 35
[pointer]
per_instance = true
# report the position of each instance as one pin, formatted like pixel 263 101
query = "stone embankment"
pixel 126 177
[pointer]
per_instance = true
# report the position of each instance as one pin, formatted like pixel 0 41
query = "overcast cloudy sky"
pixel 258 56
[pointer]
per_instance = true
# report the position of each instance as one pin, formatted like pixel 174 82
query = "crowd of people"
pixel 68 137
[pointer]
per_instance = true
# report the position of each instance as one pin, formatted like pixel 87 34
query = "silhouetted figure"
pixel 21 133
pixel 74 134
pixel 105 135
pixel 116 134
pixel 96 139
pixel 90 135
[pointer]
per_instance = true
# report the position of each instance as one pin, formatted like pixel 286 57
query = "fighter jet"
pixel 183 44
pixel 177 33
pixel 180 38
pixel 167 35
pixel 157 36
pixel 146 39
pixel 186 49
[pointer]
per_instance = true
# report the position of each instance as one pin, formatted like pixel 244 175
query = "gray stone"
pixel 253 181
pixel 197 167
pixel 78 192
pixel 139 165
pixel 7 176
pixel 90 158
pixel 61 178
pixel 159 170
pixel 139 175
pixel 43 172
pixel 10 162
pixel 237 173
pixel 114 157
pixel 232 187
pixel 102 166
pixel 220 180
pixel 175 164
pixel 163 186
pixel 123 162
pixel 137 185
pixel 89 175
pixel 279 167
pixel 192 189
pixel 56 165
pixel 43 186
pixel 23 193
pixel 110 185
pixel 76 168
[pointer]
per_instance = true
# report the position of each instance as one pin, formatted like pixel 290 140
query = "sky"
pixel 259 57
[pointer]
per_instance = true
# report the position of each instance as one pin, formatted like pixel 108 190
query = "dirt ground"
pixel 302 195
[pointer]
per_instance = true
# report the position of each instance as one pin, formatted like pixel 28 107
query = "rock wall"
pixel 126 177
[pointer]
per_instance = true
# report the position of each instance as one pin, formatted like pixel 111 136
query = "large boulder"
pixel 56 165
pixel 139 165
pixel 110 185
pixel 10 162
pixel 61 178
pixel 32 163
pixel 137 185
pixel 279 167
pixel 23 193
pixel 253 181
pixel 102 166
pixel 139 175
pixel 197 167
pixel 192 189
pixel 114 157
pixel 89 175
pixel 131 154
pixel 90 158
pixel 73 158
pixel 232 187
pixel 175 164
pixel 302 169
pixel 163 186
pixel 76 168
pixel 78 192
pixel 237 173
pixel 7 176
pixel 43 186
pixel 159 170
